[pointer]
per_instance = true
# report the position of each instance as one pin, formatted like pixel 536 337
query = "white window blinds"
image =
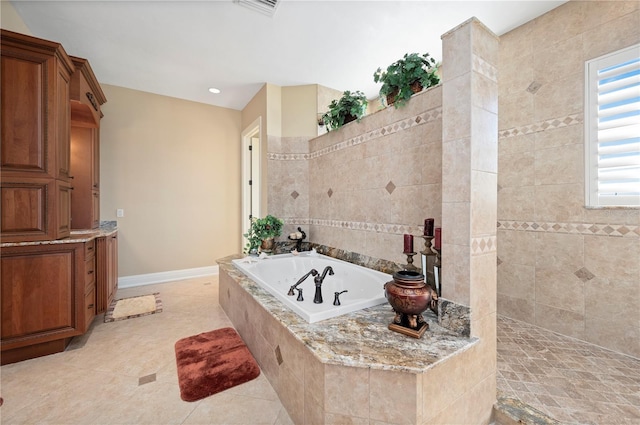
pixel 612 125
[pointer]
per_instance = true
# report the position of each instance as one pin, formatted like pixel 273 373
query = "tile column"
pixel 469 187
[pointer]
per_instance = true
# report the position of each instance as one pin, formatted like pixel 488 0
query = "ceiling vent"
pixel 266 7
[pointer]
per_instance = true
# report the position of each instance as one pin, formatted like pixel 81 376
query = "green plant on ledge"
pixel 262 229
pixel 350 107
pixel 411 74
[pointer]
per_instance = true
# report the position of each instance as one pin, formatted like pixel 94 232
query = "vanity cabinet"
pixel 47 296
pixel 35 163
pixel 107 265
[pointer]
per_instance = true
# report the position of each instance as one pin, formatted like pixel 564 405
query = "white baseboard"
pixel 151 278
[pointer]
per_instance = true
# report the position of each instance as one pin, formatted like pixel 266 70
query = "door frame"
pixel 251 170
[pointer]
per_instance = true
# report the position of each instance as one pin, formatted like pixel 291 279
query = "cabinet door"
pixel 25 121
pixel 63 219
pixel 63 121
pixel 38 293
pixel 27 211
pixel 113 266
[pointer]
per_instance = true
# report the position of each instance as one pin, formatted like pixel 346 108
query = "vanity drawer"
pixel 89 249
pixel 89 275
pixel 89 308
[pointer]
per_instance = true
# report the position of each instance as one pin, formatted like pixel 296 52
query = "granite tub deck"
pixel 349 369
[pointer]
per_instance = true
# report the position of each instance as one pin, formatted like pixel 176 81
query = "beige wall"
pixel 10 20
pixel 174 167
pixel 560 267
pixel 299 109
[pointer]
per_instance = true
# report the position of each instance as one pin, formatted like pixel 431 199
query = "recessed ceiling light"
pixel 214 90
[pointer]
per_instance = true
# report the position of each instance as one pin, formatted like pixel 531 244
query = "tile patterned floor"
pixel 571 381
pixel 124 372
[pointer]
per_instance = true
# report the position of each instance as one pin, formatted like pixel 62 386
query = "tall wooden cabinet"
pixel 87 99
pixel 35 163
pixel 50 111
pixel 107 255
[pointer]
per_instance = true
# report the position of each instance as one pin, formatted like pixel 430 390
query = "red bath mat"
pixel 211 362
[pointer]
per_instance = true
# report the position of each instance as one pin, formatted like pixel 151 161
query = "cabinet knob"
pixel 90 307
pixel 90 272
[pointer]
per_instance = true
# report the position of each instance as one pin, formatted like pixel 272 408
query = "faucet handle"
pixel 299 295
pixel 291 293
pixel 336 300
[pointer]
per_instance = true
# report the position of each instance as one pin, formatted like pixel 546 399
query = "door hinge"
pixel 250 182
pixel 250 147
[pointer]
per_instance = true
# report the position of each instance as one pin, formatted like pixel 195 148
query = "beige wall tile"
pixel 455 273
pixel 456 115
pixel 313 380
pixel 566 57
pixel 516 203
pixel 456 215
pixel 557 137
pixel 516 280
pixel 560 98
pixel 613 258
pixel 516 109
pixel 560 165
pixel 517 247
pixel 617 34
pixel 291 396
pixel 484 147
pixel 484 198
pixel 516 308
pixel 560 251
pixel 394 397
pixel 559 203
pixel 524 143
pixel 546 28
pixel 347 391
pixel 563 321
pixel 483 285
pixel 341 419
pixel 516 170
pixel 456 171
pixel 559 288
pixel 456 53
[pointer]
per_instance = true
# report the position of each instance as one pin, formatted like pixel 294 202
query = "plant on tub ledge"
pixel 350 107
pixel 262 233
pixel 411 74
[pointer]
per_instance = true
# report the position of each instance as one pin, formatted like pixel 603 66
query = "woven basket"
pixel 416 87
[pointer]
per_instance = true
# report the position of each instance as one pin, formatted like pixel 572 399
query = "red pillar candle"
pixel 428 227
pixel 408 244
pixel 437 239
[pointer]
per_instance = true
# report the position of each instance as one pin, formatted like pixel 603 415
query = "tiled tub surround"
pixel 363 187
pixel 349 369
pixel 562 266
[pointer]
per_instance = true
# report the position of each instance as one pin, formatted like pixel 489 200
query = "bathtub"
pixel 277 273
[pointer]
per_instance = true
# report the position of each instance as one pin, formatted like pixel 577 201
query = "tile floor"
pixel 124 373
pixel 572 381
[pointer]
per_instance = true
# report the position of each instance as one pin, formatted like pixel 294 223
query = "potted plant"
pixel 411 74
pixel 350 107
pixel 261 234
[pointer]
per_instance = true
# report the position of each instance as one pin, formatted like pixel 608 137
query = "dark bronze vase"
pixel 409 296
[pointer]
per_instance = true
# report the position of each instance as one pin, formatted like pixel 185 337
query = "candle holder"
pixel 436 269
pixel 410 265
pixel 427 245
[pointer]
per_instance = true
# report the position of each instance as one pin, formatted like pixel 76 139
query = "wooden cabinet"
pixel 107 265
pixel 87 99
pixel 46 295
pixel 35 114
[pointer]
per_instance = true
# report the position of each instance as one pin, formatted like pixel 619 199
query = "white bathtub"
pixel 277 273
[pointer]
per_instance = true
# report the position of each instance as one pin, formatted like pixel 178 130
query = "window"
pixel 612 129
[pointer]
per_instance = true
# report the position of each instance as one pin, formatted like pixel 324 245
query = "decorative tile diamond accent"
pixel 498 261
pixel 278 355
pixel 541 126
pixel 329 192
pixel 390 187
pixel 146 379
pixel 614 230
pixel 584 274
pixel 420 119
pixel 483 245
pixel 294 194
pixel 485 68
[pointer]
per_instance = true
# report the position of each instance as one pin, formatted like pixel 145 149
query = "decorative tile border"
pixel 483 67
pixel 599 229
pixel 549 124
pixel 404 124
pixel 483 245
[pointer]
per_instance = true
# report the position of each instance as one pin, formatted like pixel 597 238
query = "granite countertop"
pixel 107 228
pixel 359 339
